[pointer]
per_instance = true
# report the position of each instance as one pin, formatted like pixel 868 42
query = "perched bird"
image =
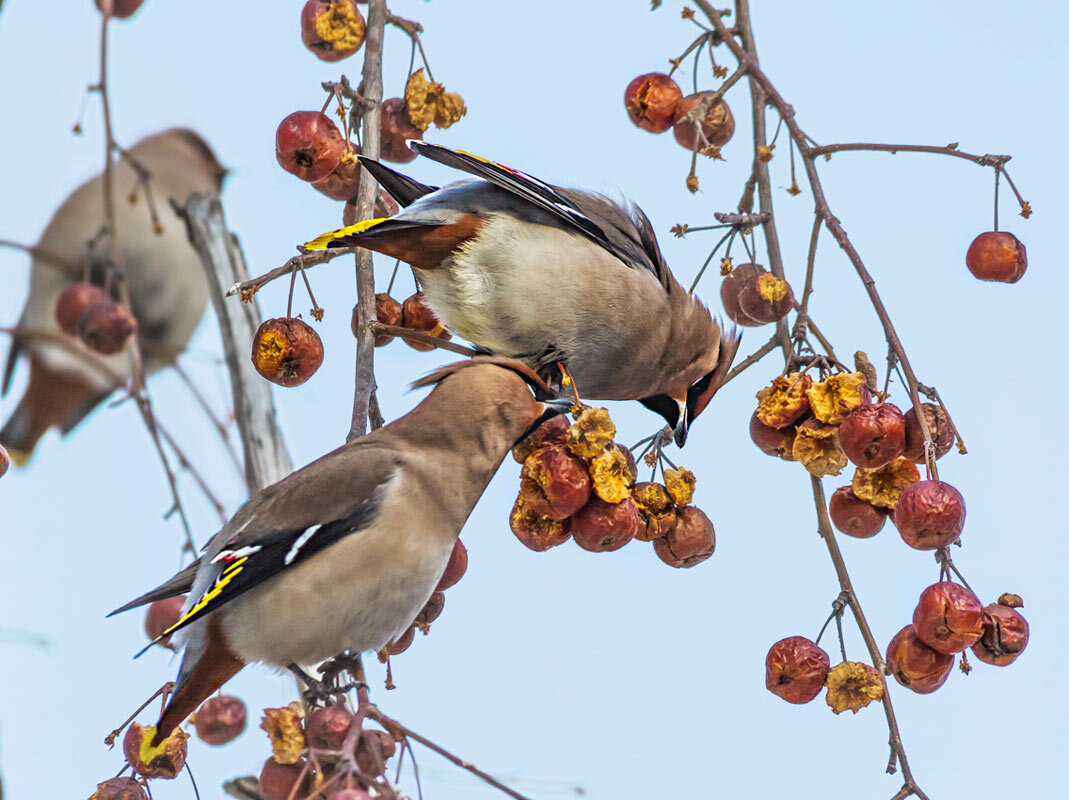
pixel 168 289
pixel 552 275
pixel 343 553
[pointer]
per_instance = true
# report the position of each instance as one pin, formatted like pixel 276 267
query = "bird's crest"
pixel 541 389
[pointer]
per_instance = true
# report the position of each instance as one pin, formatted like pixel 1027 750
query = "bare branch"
pixel 266 457
pixel 371 89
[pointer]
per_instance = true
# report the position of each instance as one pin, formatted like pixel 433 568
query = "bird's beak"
pixel 562 405
pixel 680 433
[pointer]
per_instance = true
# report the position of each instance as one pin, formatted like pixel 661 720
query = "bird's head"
pixel 507 390
pixel 697 360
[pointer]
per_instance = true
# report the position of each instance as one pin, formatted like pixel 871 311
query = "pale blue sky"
pixel 607 671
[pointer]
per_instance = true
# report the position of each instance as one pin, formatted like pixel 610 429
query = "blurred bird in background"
pixel 552 276
pixel 343 553
pixel 168 289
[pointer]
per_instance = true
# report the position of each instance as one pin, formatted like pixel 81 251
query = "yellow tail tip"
pixel 20 458
pixel 323 241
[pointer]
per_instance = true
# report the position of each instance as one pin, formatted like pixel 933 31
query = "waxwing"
pixel 168 289
pixel 551 276
pixel 343 553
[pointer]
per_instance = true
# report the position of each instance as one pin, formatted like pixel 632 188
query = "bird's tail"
pixel 423 243
pixel 206 665
pixel 53 399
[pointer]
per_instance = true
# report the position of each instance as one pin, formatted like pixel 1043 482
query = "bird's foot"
pixel 325 691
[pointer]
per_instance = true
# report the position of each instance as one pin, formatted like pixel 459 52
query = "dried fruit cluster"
pixel 796 669
pixel 655 103
pixel 306 755
pixel 577 483
pixel 89 312
pixel 413 313
pixel 949 619
pixel 826 424
pixel 753 296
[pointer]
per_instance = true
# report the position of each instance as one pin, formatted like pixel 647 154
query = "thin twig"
pixel 397 730
pixel 753 358
pixel 308 258
pixel 209 412
pixel 422 338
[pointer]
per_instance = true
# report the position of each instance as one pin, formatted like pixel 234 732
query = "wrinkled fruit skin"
pixel 342 23
pixel 602 527
pixel 690 542
pixel 73 302
pixel 765 298
pixel 656 512
pixel 120 9
pixel 795 669
pixel 552 431
pixel 939 428
pixel 455 568
pixel 387 311
pixel 554 483
pixel 105 327
pixel 930 515
pixel 287 351
pixel 915 665
pixel 120 789
pixel 343 182
pixel 997 256
pixel 536 532
pixel 220 720
pixel 161 615
pixel 949 618
pixel 730 289
pixel 873 435
pixel 396 127
pixel 402 642
pixel 854 516
pixel 717 127
pixel 309 145
pixel 772 441
pixel 651 101
pixel 326 727
pixel 373 750
pixel 164 761
pixel 1004 638
pixel 431 611
pixel 417 315
pixel 278 781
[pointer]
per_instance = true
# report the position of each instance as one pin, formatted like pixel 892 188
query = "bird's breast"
pixel 521 289
pixel 358 594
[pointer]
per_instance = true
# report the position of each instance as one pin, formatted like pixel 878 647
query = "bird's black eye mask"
pixel 666 407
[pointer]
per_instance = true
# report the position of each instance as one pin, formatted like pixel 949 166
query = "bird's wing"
pixel 553 200
pixel 180 583
pixel 403 189
pixel 337 496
